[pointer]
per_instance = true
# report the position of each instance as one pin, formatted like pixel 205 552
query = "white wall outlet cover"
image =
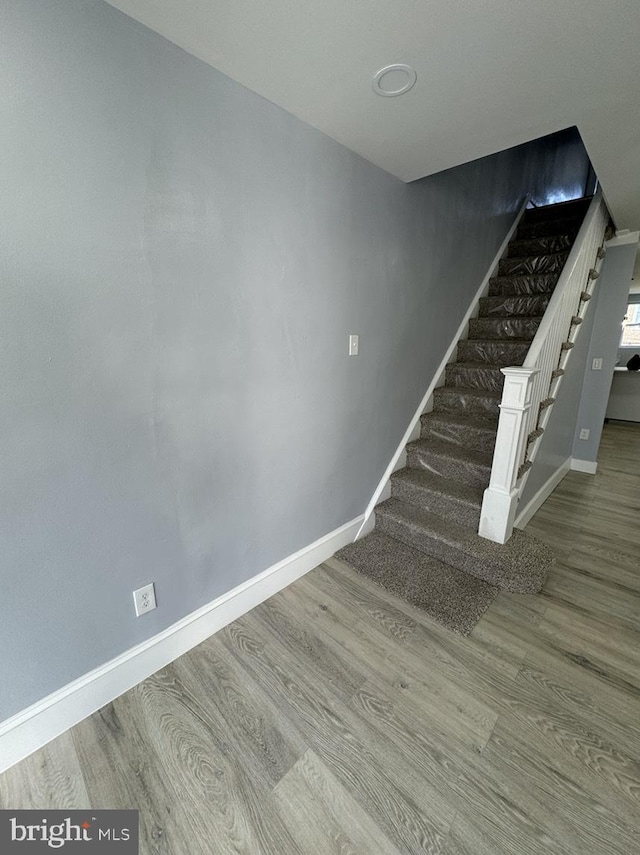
pixel 596 365
pixel 144 599
pixel 354 344
pixel 584 433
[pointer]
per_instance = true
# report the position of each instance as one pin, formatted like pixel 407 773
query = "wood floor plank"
pixel 51 777
pixel 596 597
pixel 612 574
pixel 224 806
pixel 612 645
pixel 395 618
pixel 470 784
pixel 343 673
pixel 415 818
pixel 341 582
pixel 123 771
pixel 239 713
pixel 454 711
pixel 571 812
pixel 323 816
pixel 568 686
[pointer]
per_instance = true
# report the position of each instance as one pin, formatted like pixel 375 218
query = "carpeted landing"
pixel 456 599
pixel 425 547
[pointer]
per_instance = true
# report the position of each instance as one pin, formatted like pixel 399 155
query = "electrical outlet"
pixel 144 599
pixel 584 433
pixel 596 365
pixel 354 343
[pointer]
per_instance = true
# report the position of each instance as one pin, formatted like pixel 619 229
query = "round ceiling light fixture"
pixel 394 80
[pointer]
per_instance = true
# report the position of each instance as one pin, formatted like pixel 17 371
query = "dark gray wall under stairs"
pixel 182 263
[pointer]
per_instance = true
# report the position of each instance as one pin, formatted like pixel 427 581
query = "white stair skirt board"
pixel 413 431
pixel 538 499
pixel 587 466
pixel 25 732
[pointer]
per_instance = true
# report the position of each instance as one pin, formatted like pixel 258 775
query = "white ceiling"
pixel 491 74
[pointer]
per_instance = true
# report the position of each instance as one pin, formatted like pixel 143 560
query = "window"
pixel 631 326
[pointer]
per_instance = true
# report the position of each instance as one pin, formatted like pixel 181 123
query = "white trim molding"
pixel 540 497
pixel 34 727
pixel 413 430
pixel 588 466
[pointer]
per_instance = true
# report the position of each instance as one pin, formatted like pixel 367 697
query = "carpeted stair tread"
pixel 475 375
pixel 441 496
pixel 514 305
pixel 468 431
pixel 448 595
pixel 520 329
pixel 450 461
pixel 540 245
pixel 551 263
pixel 527 284
pixel 466 400
pixel 493 351
pixel 520 565
pixel 564 225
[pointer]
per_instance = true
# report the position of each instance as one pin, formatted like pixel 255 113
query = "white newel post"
pixel 501 496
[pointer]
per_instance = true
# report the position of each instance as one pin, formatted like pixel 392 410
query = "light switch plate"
pixel 354 342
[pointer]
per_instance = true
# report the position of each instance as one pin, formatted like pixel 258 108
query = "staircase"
pixel 430 523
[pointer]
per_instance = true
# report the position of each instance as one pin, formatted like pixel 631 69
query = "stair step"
pixel 539 283
pixel 520 329
pixel 552 263
pixel 519 565
pixel 514 306
pixel 462 400
pixel 455 599
pixel 438 495
pixel 574 208
pixel 495 351
pixel 447 460
pixel 540 246
pixel 561 226
pixel 475 375
pixel 465 431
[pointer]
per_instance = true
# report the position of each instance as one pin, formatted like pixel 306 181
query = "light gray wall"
pixel 182 265
pixel 612 297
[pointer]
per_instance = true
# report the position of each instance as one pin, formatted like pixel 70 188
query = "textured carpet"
pixel 520 565
pixel 452 597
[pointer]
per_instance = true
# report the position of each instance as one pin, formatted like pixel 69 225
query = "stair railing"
pixel 530 390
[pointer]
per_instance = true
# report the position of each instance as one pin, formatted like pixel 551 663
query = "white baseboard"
pixel 413 430
pixel 587 466
pixel 523 516
pixel 25 732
